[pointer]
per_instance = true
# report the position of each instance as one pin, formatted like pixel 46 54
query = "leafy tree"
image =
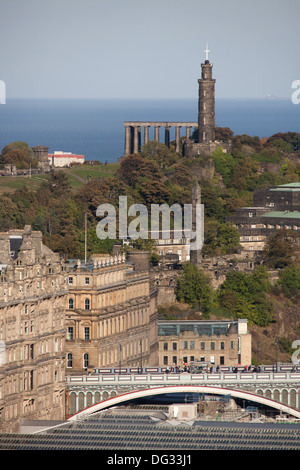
pixel 220 238
pixel 289 279
pixel 224 164
pixel 134 167
pixel 159 153
pixel 18 153
pixel 244 296
pixel 279 249
pixel 194 287
pixel 57 184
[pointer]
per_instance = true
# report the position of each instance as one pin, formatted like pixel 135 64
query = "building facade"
pixel 275 208
pixel 111 316
pixel 32 310
pixel 214 343
pixel 64 159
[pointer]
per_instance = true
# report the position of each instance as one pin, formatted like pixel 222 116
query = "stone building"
pixel 111 316
pixel 32 310
pixel 275 208
pixel 40 153
pixel 214 343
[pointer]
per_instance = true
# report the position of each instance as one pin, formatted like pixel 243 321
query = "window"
pixel 185 344
pixel 87 281
pixel 222 362
pixel 86 332
pixel 70 280
pixel 85 361
pixel 165 346
pixel 87 304
pixel 212 345
pixel 174 346
pixel 232 344
pixel 192 358
pixel 222 346
pixel 70 333
pixel 192 345
pixel 184 359
pixel 174 360
pixel 202 346
pixel 69 360
pixel 71 303
pixel 165 360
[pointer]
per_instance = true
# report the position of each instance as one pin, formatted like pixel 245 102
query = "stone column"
pixel 136 140
pixel 167 136
pixel 177 139
pixel 127 141
pixel 156 136
pixel 188 132
pixel 146 135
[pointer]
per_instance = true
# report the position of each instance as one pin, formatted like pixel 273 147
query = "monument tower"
pixel 206 103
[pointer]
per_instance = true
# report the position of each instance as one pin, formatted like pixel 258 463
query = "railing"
pixel 222 378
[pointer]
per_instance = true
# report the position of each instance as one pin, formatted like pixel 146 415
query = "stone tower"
pixel 195 255
pixel 206 103
pixel 41 155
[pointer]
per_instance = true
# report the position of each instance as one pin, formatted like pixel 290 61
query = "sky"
pixel 134 49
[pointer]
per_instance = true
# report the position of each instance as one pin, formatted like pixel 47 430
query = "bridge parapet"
pixel 214 378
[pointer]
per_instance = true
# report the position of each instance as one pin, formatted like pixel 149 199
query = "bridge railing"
pixel 203 378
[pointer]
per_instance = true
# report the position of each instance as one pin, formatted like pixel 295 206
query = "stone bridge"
pixel 279 390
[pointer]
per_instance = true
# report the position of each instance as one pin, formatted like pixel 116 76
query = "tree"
pixel 134 167
pixel 160 153
pixel 279 249
pixel 194 288
pixel 18 153
pixel 220 238
pixel 245 296
pixel 289 280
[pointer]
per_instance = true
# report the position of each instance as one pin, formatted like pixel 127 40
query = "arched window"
pixel 71 303
pixel 85 361
pixel 69 360
pixel 87 304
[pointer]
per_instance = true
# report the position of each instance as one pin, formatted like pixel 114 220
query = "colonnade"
pixel 133 134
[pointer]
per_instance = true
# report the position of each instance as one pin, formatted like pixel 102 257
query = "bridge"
pixel 278 390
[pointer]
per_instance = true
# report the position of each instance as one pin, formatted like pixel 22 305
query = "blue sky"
pixel 147 49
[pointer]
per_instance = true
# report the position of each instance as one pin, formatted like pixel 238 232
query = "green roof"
pixel 283 214
pixel 287 187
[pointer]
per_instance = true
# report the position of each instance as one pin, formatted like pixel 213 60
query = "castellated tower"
pixel 206 142
pixel 206 105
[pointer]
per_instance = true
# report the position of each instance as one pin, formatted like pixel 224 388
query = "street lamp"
pixel 257 361
pixel 120 353
pixel 141 357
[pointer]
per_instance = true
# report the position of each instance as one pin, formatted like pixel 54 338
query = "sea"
pixel 95 128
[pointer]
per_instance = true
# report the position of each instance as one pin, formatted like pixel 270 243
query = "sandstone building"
pixel 32 318
pixel 59 318
pixel 214 343
pixel 111 316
